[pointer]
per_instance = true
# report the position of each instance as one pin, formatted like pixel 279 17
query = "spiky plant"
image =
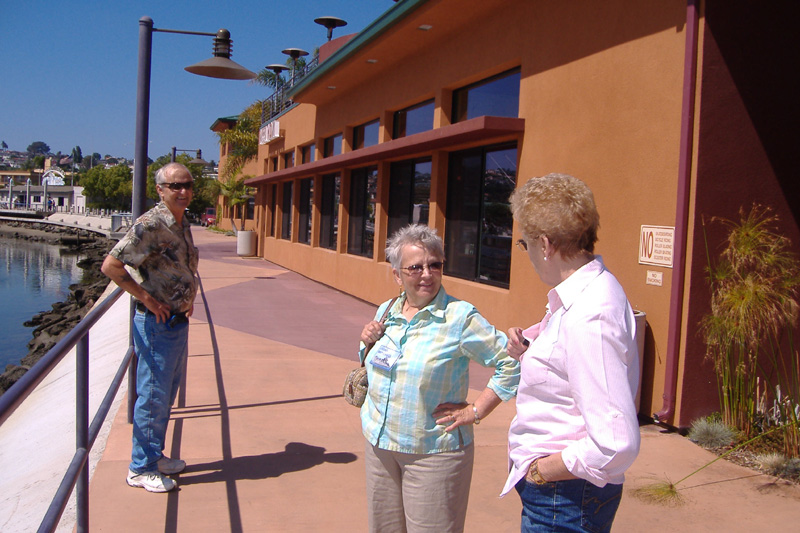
pixel 666 492
pixel 753 302
pixel 711 433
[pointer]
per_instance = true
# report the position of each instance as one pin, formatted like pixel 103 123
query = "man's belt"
pixel 174 319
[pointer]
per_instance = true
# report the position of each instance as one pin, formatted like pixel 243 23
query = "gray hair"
pixel 168 169
pixel 413 234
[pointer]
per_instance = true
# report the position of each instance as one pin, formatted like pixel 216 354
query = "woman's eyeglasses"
pixel 178 185
pixel 416 270
pixel 522 245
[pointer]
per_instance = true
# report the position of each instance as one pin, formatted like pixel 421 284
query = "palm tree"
pixel 236 193
pixel 242 140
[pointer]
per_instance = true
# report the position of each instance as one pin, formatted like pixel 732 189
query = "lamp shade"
pixel 221 67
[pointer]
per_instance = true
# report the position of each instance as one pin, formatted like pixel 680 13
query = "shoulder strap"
pixel 382 320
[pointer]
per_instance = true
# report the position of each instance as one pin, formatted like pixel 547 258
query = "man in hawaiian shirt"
pixel 159 252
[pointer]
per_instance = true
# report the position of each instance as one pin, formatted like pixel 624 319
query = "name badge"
pixel 385 356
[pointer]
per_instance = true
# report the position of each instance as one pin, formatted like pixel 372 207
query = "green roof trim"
pixel 225 120
pixel 392 16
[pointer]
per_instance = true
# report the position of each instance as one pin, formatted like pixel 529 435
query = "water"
pixel 33 276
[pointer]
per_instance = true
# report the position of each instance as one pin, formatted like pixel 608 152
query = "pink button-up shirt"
pixel 578 382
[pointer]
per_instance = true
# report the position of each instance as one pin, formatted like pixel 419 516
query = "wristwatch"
pixel 534 475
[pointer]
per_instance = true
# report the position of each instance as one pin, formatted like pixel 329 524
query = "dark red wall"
pixel 748 148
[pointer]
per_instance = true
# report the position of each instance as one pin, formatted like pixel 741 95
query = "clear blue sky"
pixel 69 67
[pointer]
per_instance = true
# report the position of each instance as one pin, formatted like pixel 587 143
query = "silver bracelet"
pixel 477 418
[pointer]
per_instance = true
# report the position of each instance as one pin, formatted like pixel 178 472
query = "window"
pixel 286 215
pixel 308 154
pixel 333 146
pixel 365 135
pixel 478 218
pixel 288 159
pixel 409 193
pixel 361 230
pixel 305 206
pixel 275 163
pixel 497 96
pixel 329 211
pixel 273 207
pixel 250 209
pixel 413 120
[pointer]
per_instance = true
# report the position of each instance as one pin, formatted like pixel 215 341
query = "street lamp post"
pixel 219 66
pixel 198 160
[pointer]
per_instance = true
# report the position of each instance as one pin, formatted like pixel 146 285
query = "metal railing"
pixel 77 474
pixel 278 102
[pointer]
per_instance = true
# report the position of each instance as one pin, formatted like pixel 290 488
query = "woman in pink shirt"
pixel 576 430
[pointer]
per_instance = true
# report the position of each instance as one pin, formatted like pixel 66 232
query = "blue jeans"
pixel 161 352
pixel 572 505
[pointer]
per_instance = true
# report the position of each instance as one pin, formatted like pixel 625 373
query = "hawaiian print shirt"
pixel 163 253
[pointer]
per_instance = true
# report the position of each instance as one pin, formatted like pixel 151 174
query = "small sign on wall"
pixel 269 132
pixel 656 245
pixel 655 277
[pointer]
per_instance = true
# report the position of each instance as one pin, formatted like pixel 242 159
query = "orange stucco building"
pixel 439 108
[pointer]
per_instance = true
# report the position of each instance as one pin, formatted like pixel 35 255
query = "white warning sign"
pixel 656 245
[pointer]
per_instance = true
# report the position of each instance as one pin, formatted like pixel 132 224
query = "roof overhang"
pixel 377 28
pixel 477 130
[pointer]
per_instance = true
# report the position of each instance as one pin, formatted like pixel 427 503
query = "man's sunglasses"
pixel 178 185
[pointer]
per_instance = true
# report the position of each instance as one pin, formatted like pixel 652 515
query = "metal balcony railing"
pixel 278 102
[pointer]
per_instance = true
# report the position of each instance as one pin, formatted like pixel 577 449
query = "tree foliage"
pixel 110 188
pixel 236 194
pixel 206 190
pixel 242 140
pixel 77 155
pixel 38 147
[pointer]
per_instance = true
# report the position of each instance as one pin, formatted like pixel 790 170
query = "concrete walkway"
pixel 271 445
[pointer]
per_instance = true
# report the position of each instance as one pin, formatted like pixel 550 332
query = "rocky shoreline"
pixel 51 326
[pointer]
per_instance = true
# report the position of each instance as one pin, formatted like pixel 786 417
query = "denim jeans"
pixel 571 505
pixel 161 352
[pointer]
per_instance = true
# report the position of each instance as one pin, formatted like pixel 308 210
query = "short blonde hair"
pixel 413 234
pixel 560 207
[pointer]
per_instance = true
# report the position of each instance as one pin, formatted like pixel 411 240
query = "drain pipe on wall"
pixel 682 215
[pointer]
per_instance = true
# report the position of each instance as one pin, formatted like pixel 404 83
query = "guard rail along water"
pixel 77 473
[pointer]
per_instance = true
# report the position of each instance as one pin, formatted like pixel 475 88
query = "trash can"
pixel 641 330
pixel 246 243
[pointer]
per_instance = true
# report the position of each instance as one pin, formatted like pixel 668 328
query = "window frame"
pixel 402 215
pixel 286 210
pixel 305 207
pixel 461 100
pixel 400 117
pixel 360 137
pixel 470 258
pixel 363 193
pixel 329 210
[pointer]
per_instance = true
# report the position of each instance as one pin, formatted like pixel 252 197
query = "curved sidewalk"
pixel 271 445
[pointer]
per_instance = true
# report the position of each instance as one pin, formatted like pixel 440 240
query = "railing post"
pixel 132 368
pixel 82 428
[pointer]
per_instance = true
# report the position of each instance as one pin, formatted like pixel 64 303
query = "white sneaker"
pixel 151 481
pixel 170 466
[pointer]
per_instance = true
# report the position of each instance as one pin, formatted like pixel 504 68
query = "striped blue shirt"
pixel 436 347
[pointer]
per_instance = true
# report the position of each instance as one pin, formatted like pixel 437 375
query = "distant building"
pixel 60 198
